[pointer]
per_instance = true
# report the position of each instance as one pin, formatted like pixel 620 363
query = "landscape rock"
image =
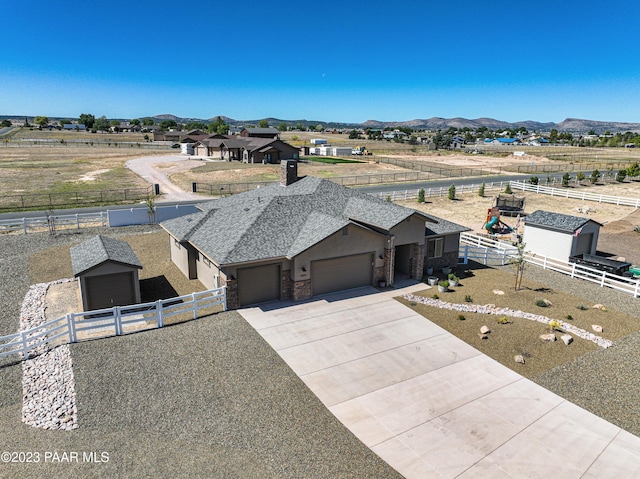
pixel 551 337
pixel 597 328
pixel 599 306
pixel 485 329
pixel 567 339
pixel 519 358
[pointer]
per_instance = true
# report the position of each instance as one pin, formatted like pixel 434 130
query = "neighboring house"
pixel 560 236
pixel 457 142
pixel 297 239
pixel 107 272
pixel 246 149
pixel 269 132
pixel 442 242
pixel 503 141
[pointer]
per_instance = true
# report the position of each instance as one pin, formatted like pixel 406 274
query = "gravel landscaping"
pixel 206 398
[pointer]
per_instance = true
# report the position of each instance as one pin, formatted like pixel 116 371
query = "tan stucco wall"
pixel 358 240
pixel 411 231
pixel 179 255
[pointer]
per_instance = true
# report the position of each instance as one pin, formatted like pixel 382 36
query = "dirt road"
pixel 156 170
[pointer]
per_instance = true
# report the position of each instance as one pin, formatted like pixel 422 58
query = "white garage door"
pixel 345 272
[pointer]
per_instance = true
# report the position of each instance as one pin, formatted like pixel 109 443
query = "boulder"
pixel 519 358
pixel 567 339
pixel 597 328
pixel 485 329
pixel 551 337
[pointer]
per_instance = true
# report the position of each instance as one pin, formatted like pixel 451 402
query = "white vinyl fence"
pixel 488 251
pixel 439 191
pixel 576 194
pixel 117 321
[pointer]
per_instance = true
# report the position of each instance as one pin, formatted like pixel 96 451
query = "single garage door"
pixel 345 272
pixel 110 290
pixel 258 284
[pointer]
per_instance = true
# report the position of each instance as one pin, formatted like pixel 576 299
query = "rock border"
pixel 492 309
pixel 48 383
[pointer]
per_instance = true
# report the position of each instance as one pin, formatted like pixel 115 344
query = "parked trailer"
pixel 603 264
pixel 318 141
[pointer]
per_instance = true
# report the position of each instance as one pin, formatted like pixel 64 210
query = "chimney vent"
pixel 288 172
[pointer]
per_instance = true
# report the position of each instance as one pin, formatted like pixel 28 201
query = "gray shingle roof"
pixel 278 221
pixel 556 221
pixel 100 249
pixel 439 226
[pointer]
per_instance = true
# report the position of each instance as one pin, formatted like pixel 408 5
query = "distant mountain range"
pixel 570 125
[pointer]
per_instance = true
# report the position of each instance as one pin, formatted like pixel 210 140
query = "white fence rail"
pixel 440 191
pixel 103 323
pixel 488 251
pixel 580 194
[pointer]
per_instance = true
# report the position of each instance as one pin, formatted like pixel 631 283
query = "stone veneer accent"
pixel 417 261
pixel 301 290
pixel 389 264
pixel 233 301
pixel 286 285
pixel 447 259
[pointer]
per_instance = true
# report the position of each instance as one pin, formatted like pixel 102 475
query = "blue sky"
pixel 347 61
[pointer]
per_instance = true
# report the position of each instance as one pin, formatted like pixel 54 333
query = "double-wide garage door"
pixel 258 284
pixel 345 272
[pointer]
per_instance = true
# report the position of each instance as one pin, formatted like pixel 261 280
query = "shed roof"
pixel 557 221
pixel 100 249
pixel 439 226
pixel 281 221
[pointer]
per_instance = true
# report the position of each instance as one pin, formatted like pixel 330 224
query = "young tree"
pixel 580 177
pixel 41 121
pixel 282 126
pixel 565 180
pixel 421 195
pixel 633 170
pixel 595 176
pixel 534 180
pixel 263 124
pixel 508 189
pixel 519 263
pixel 481 190
pixel 452 192
pixel 621 175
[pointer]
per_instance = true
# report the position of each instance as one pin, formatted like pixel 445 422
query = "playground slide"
pixel 489 224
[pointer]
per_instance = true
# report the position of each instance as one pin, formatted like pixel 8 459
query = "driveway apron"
pixel 428 403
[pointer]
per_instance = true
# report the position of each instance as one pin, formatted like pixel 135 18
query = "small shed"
pixel 560 236
pixel 107 272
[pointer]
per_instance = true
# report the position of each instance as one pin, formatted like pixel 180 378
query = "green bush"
pixel 503 320
pixel 468 299
pixel 565 180
pixel 421 195
pixel 452 192
pixel 435 296
pixel 508 190
pixel 461 317
pixel 534 180
pixel 481 190
pixel 595 176
pixel 621 175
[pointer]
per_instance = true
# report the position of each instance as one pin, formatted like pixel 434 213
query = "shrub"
pixel 633 170
pixel 542 303
pixel 503 320
pixel 452 192
pixel 565 180
pixel 595 176
pixel 444 284
pixel 508 190
pixel 421 195
pixel 435 296
pixel 582 307
pixel 534 180
pixel 388 198
pixel 621 175
pixel 468 299
pixel 569 317
pixel 555 324
pixel 461 317
pixel 580 176
pixel 481 190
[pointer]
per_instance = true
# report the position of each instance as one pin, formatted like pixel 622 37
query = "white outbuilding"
pixel 560 236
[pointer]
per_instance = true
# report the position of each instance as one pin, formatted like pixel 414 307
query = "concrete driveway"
pixel 428 403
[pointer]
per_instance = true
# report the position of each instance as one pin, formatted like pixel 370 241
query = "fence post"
pixel 71 326
pixel 25 350
pixel 195 306
pixel 159 310
pixel 224 297
pixel 117 320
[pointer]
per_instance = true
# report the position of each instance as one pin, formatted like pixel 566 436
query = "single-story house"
pixel 107 272
pixel 269 132
pixel 296 239
pixel 442 245
pixel 560 236
pixel 246 149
